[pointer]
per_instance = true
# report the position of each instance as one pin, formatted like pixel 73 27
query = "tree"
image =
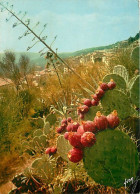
pixel 16 72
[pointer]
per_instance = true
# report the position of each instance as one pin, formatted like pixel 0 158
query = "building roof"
pixel 5 81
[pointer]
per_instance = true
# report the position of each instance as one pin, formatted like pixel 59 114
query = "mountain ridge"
pixel 40 61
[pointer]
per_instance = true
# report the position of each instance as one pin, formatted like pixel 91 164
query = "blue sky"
pixel 78 24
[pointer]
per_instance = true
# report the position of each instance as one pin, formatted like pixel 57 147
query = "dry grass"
pixel 72 83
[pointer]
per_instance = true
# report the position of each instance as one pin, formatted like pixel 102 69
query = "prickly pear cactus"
pixel 40 141
pixel 37 132
pixel 121 71
pixel 135 56
pixel 116 100
pixel 92 113
pixel 134 91
pixel 112 159
pixel 120 82
pixel 51 118
pixel 46 128
pixel 44 167
pixel 63 147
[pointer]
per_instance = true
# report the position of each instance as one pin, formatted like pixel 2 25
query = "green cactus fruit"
pixel 120 82
pixel 112 159
pixel 135 56
pixel 46 128
pixel 92 113
pixel 63 147
pixel 121 71
pixel 37 132
pixel 116 100
pixel 51 118
pixel 135 91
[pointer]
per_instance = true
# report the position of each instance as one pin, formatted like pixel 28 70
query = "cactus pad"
pixel 63 147
pixel 135 56
pixel 120 82
pixel 44 167
pixel 116 100
pixel 40 142
pixel 46 128
pixel 37 132
pixel 51 118
pixel 135 91
pixel 112 159
pixel 91 113
pixel 121 71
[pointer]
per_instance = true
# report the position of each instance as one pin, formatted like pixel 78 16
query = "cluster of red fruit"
pixel 81 136
pixel 51 150
pixel 96 97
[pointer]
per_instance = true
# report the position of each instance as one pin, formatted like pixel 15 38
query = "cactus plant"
pixel 46 128
pixel 63 147
pixel 121 71
pixel 112 159
pixel 91 113
pixel 37 132
pixel 44 167
pixel 120 82
pixel 51 118
pixel 134 91
pixel 116 100
pixel 135 56
pixel 40 142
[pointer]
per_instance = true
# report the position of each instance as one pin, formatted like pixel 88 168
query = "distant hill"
pixel 40 61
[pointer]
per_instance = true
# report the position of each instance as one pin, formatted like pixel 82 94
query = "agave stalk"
pixel 43 42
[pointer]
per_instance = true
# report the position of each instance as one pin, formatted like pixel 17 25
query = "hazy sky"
pixel 78 24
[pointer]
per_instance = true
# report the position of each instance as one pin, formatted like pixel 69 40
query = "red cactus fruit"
pixel 99 93
pixel 80 130
pixel 95 97
pixel 111 84
pixel 88 139
pixel 100 121
pixel 83 109
pixel 75 126
pixel 66 135
pixel 103 86
pixel 59 130
pixel 64 121
pixel 72 126
pixel 75 139
pixel 81 116
pixel 69 119
pixel 75 155
pixel 48 151
pixel 94 102
pixel 87 102
pixel 89 126
pixel 113 119
pixel 53 150
pixel 63 126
